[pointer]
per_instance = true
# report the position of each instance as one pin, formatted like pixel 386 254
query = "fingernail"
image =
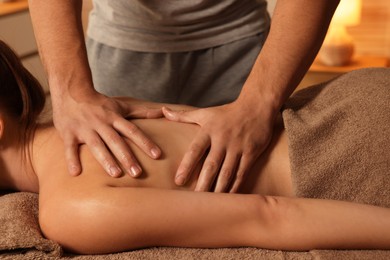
pixel 169 112
pixel 135 171
pixel 74 170
pixel 114 171
pixel 180 180
pixel 155 152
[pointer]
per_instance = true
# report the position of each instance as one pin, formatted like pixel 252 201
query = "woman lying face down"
pixel 94 213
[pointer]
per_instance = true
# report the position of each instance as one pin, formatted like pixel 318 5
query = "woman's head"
pixel 21 95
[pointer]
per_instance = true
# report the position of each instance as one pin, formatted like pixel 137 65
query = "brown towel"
pixel 349 161
pixel 339 138
pixel 19 227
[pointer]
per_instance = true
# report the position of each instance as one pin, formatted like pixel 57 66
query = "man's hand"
pixel 80 114
pixel 99 122
pixel 237 133
pixel 233 136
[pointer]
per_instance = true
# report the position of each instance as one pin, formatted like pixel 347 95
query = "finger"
pixel 192 157
pixel 72 157
pixel 243 168
pixel 181 116
pixel 102 155
pixel 227 171
pixel 145 112
pixel 120 149
pixel 209 170
pixel 132 132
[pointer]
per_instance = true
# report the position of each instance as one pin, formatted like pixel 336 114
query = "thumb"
pixel 181 116
pixel 131 109
pixel 145 112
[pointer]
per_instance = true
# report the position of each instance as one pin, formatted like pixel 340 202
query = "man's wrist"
pixel 260 99
pixel 76 88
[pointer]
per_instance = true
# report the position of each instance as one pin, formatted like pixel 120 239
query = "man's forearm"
pixel 60 38
pixel 297 31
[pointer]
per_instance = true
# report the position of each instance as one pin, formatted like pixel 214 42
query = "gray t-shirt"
pixel 175 25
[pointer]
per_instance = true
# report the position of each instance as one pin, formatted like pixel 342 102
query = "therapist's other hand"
pixel 99 122
pixel 233 136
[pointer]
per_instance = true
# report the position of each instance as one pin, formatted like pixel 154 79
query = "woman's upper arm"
pixel 112 219
pixel 108 219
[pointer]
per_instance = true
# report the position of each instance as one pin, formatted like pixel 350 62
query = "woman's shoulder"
pixel 51 168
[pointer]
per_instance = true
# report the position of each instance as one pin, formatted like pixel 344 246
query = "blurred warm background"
pixel 371 38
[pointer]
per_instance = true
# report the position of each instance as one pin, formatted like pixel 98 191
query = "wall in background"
pixel 271 6
pixel 372 36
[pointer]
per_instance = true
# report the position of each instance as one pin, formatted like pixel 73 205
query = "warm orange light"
pixel 347 13
pixel 338 47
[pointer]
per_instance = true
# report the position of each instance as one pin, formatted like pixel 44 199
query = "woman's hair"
pixel 21 95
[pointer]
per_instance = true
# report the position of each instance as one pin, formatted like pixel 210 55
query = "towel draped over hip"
pixel 339 138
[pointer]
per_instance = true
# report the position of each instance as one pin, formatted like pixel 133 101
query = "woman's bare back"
pixel 270 175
